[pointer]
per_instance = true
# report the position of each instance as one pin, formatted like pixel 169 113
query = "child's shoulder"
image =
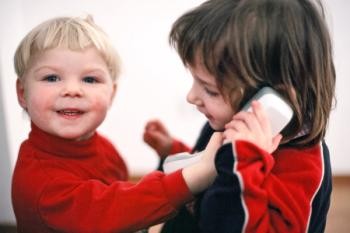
pixel 314 158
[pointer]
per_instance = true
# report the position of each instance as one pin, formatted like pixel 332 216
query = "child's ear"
pixel 114 92
pixel 20 93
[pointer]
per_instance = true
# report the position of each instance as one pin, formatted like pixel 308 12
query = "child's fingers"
pixel 150 125
pixel 230 135
pixel 262 117
pixel 147 138
pixel 250 121
pixel 237 126
pixel 159 126
pixel 155 126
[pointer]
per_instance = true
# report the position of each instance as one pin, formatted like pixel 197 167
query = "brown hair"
pixel 247 44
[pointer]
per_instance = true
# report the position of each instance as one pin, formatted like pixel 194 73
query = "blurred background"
pixel 153 84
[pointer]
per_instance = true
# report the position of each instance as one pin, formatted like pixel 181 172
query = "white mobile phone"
pixel 278 110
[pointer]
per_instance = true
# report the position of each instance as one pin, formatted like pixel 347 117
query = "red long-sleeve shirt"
pixel 66 186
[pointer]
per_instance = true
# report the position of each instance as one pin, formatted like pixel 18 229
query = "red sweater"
pixel 65 186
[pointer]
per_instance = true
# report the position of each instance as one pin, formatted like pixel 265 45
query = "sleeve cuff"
pixel 176 189
pixel 178 146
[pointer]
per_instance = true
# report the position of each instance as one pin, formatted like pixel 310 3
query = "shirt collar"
pixel 60 146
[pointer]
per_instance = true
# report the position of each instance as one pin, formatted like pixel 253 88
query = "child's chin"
pixel 217 127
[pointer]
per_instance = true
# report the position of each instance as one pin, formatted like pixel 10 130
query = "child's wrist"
pixel 199 176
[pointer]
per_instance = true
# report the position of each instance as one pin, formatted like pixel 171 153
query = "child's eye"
pixel 211 93
pixel 90 79
pixel 51 78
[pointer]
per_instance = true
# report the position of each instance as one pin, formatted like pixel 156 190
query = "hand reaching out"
pixel 158 137
pixel 253 127
pixel 200 175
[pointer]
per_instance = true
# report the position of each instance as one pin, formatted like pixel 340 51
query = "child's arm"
pixel 259 192
pixel 158 137
pixel 71 204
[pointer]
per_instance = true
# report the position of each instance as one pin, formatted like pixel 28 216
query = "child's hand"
pixel 157 137
pixel 253 127
pixel 200 175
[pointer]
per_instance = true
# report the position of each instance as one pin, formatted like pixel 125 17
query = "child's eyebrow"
pixel 38 69
pixel 203 82
pixel 93 69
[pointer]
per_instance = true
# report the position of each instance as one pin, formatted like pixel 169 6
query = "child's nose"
pixel 72 89
pixel 192 97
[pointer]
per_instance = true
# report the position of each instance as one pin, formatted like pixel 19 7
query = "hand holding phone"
pixel 263 125
pixel 277 109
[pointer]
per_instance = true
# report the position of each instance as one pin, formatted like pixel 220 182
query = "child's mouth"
pixel 70 113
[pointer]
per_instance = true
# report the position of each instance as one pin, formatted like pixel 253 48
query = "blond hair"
pixel 73 33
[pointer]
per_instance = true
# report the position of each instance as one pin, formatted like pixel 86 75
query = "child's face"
pixel 67 93
pixel 208 99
